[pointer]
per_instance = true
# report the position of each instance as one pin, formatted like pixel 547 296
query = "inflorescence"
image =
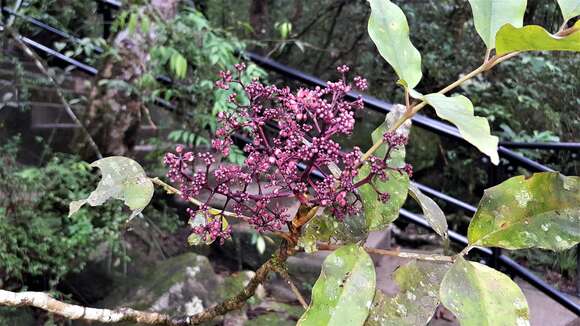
pixel 293 155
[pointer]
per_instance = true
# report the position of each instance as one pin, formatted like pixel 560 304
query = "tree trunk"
pixel 113 115
pixel 259 16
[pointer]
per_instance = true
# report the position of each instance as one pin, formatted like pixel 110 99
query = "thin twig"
pixel 487 56
pixel 465 251
pixel 172 190
pixel 484 67
pixel 395 253
pixel 43 68
pixel 407 100
pixel 284 235
pixel 286 277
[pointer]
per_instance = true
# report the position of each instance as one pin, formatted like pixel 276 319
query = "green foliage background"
pixel 535 106
pixel 38 239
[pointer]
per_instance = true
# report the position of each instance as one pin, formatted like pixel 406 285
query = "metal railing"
pixel 378 105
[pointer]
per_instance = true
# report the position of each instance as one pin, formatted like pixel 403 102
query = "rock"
pixel 274 313
pixel 241 248
pixel 182 285
pixel 233 284
pixel 305 268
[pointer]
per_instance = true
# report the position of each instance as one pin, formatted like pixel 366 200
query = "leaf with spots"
pixel 433 213
pixel 535 38
pixel 389 30
pixel 417 299
pixel 326 227
pixel 481 296
pixel 490 15
pixel 343 293
pixel 378 214
pixel 541 211
pixel 122 178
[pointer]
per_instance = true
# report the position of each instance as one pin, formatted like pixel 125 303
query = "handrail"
pixel 36 22
pixel 372 102
pixel 114 4
pixel 427 123
pixel 82 66
pixel 545 146
pixel 381 106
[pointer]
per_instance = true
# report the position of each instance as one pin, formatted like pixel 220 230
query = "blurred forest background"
pixel 129 110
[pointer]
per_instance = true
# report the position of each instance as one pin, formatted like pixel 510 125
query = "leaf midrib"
pixel 347 284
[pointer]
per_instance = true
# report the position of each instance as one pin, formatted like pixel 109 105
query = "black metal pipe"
pixel 446 198
pixel 522 161
pixel 543 146
pixel 45 27
pixel 540 284
pixel 73 62
pixel 84 67
pixel 114 4
pixel 375 104
pixel 453 236
pixel 36 22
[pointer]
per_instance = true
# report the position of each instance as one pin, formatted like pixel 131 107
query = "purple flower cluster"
pixel 293 137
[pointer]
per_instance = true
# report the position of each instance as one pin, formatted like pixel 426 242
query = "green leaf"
pixel 178 64
pixel 344 291
pixel 535 38
pixel 433 214
pixel 480 295
pixel 379 215
pixel 326 227
pixel 569 8
pixel 300 45
pixel 261 244
pixel 417 299
pixel 132 26
pixel 542 211
pixel 459 111
pixel 195 239
pixel 490 15
pixel 145 24
pixel 389 30
pixel 284 28
pixel 122 178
